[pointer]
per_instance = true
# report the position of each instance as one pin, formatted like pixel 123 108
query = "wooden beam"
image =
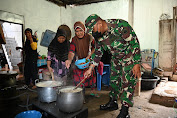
pixel 174 36
pixel 131 12
pixel 76 2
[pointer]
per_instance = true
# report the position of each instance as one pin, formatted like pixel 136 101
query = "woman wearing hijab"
pixel 57 55
pixel 30 48
pixel 83 46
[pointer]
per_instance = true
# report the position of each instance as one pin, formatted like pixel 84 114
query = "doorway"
pixel 13 36
pixel 13 26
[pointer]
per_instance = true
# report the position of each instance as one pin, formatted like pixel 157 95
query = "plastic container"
pixel 47 38
pixel 82 66
pixel 29 114
pixel 41 62
pixel 149 82
pixel 105 78
pixel 40 72
pixel 46 75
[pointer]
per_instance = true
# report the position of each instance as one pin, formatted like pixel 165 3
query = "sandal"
pixel 95 95
pixel 34 87
pixel 92 94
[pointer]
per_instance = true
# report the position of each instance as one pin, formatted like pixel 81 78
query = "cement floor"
pixel 142 108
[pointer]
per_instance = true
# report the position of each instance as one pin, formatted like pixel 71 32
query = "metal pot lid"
pixel 49 84
pixel 8 72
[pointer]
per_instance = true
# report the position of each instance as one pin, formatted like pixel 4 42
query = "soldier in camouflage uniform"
pixel 117 37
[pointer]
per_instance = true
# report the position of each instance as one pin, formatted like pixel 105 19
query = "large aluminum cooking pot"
pixel 69 100
pixel 7 78
pixel 47 90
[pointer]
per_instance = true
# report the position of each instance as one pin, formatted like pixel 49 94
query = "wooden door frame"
pixel 174 34
pixel 14 18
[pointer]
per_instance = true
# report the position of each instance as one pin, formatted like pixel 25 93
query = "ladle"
pixel 79 83
pixel 51 72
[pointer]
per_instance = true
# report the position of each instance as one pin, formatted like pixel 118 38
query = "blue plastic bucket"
pixel 29 114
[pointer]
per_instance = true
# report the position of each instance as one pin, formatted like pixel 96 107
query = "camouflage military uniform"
pixel 121 41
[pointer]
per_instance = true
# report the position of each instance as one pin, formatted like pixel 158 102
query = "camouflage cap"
pixel 90 22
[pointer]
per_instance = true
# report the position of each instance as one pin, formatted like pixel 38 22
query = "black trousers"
pixel 30 71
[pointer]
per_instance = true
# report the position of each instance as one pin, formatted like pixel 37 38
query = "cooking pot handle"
pixel 58 91
pixel 36 81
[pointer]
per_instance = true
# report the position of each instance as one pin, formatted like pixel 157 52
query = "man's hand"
pixel 136 71
pixel 67 63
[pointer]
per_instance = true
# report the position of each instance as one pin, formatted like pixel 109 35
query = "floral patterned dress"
pixel 60 70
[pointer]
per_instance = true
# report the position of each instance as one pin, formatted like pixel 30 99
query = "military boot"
pixel 124 112
pixel 111 105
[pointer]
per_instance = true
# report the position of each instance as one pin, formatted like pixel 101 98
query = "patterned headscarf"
pixel 81 44
pixel 80 25
pixel 91 21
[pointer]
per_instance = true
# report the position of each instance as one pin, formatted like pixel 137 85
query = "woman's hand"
pixel 50 69
pixel 88 73
pixel 51 72
pixel 136 71
pixel 67 63
pixel 88 57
